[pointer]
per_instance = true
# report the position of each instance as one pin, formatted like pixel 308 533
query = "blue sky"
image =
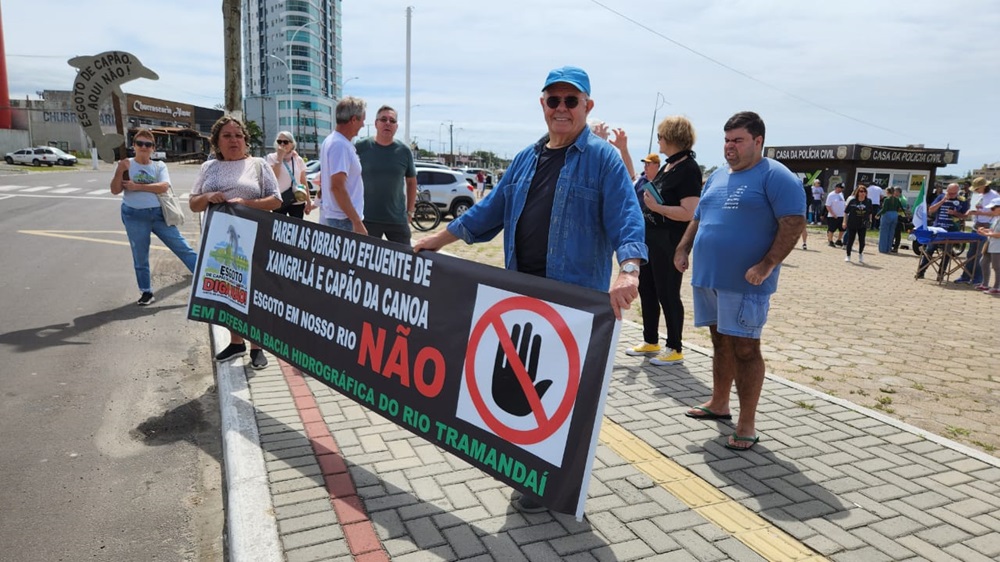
pixel 853 71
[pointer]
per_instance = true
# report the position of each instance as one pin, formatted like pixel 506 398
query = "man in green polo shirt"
pixel 390 180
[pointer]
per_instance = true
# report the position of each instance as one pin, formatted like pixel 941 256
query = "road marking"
pixel 11 187
pixel 47 196
pixel 66 190
pixel 743 524
pixel 72 235
pixel 99 192
pixel 38 188
pixel 63 185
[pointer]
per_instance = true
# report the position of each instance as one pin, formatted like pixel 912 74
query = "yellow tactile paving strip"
pixel 746 526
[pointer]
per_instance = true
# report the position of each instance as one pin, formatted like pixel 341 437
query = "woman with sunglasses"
pixel 667 208
pixel 234 177
pixel 857 217
pixel 290 169
pixel 139 179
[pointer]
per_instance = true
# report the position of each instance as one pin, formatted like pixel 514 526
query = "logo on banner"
pixel 225 271
pixel 522 370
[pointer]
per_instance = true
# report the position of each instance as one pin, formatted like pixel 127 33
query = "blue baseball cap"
pixel 572 75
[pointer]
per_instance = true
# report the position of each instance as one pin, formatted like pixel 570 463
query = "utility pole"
pixel 406 129
pixel 231 41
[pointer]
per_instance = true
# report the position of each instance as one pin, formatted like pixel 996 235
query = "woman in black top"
pixel 668 206
pixel 856 217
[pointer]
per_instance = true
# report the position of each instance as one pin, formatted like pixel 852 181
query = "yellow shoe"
pixel 644 349
pixel 672 358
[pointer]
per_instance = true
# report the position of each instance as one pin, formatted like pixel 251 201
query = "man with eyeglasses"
pixel 390 180
pixel 342 201
pixel 565 206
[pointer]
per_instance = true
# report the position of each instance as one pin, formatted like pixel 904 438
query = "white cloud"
pixel 916 72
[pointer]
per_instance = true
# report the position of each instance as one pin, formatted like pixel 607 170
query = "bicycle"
pixel 426 215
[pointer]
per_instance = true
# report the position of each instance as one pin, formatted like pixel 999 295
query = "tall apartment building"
pixel 292 74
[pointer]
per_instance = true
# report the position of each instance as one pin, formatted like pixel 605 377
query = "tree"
pixel 231 42
pixel 256 137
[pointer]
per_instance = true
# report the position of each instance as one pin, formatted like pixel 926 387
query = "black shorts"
pixel 834 224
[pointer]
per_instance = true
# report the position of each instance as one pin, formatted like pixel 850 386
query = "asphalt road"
pixel 110 440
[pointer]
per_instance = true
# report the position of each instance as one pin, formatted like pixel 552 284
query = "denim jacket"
pixel 594 213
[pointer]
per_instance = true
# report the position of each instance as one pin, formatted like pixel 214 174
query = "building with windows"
pixel 989 171
pixel 292 68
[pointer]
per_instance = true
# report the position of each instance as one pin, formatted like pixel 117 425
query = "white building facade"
pixel 292 74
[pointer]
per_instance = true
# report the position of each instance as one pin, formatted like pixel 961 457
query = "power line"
pixel 748 76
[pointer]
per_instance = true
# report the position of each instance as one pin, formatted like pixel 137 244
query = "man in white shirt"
pixel 875 196
pixel 835 206
pixel 342 201
pixel 981 216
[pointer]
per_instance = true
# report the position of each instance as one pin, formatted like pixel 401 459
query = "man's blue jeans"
pixel 139 224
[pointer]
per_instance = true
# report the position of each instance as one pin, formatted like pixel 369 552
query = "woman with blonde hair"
pixel 290 169
pixel 667 208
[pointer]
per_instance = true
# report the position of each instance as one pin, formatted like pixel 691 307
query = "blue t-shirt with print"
pixel 945 220
pixel 737 220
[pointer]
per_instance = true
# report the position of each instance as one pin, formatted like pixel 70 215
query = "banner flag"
pixel 507 371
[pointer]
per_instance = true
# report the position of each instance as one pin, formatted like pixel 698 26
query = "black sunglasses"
pixel 283 141
pixel 570 101
pixel 386 120
pixel 143 144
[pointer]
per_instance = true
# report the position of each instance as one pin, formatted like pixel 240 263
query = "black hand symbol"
pixel 507 391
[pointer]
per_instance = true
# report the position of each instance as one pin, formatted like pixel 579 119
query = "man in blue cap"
pixel 565 206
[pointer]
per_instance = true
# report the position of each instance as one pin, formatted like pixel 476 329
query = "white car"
pixel 48 155
pixel 448 190
pixel 470 175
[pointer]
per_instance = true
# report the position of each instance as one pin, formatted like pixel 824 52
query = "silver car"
pixel 50 156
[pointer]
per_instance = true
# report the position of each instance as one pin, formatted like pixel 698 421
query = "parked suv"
pixel 48 155
pixel 448 189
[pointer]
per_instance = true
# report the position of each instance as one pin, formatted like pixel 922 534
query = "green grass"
pixel 806 405
pixel 957 431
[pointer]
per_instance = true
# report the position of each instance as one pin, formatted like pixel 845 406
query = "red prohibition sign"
pixel 492 318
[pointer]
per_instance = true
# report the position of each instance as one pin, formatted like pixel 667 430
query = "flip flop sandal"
pixel 706 414
pixel 734 441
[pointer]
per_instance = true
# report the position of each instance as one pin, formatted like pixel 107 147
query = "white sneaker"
pixel 847 258
pixel 861 258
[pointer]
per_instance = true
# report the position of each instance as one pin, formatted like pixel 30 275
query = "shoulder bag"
pixel 173 215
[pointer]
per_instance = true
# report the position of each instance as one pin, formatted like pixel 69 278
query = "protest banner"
pixel 507 371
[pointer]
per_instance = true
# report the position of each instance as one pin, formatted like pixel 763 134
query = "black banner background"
pixel 449 290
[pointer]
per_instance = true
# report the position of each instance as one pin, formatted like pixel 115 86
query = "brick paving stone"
pixel 854 518
pixel 424 533
pixel 464 541
pixel 867 554
pixel 970 507
pixel 442 552
pixel 300 509
pixel 637 511
pixel 675 522
pixel 943 535
pixel 610 526
pixel 887 546
pixel 296 484
pixel 624 551
pixel 835 533
pixel 418 510
pixel 390 502
pixel 577 543
pixel 541 552
pixel 885 492
pixel 318 552
pixel 974 526
pixel 808 510
pixel 926 500
pixel 387 524
pixel 694 543
pixel 966 554
pixel 823 545
pixel 309 521
pixel 309 537
pixel 427 489
pixel 912 471
pixel 951 478
pixel 987 545
pixel 897 527
pixel 653 536
pixel 923 549
pixel 580 557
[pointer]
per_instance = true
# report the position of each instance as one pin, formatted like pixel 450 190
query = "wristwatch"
pixel 630 268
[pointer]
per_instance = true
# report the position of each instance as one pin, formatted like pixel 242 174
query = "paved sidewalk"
pixel 828 481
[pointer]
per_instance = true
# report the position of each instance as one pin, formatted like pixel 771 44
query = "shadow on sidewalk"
pixel 33 339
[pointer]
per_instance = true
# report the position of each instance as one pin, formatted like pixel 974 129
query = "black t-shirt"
pixel 682 181
pixel 531 238
pixel 857 213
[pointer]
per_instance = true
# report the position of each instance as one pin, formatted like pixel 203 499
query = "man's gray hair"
pixel 349 108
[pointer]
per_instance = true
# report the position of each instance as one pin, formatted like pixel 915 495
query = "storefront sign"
pixel 823 152
pixel 507 371
pixel 160 110
pixel 889 155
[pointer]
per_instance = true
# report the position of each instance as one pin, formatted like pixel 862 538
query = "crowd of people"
pixel 569 205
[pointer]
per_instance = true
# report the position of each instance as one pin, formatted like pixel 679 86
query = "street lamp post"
pixel 657 105
pixel 344 84
pixel 288 69
pixel 277 118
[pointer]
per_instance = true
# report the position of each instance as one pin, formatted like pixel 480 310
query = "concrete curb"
pixel 251 526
